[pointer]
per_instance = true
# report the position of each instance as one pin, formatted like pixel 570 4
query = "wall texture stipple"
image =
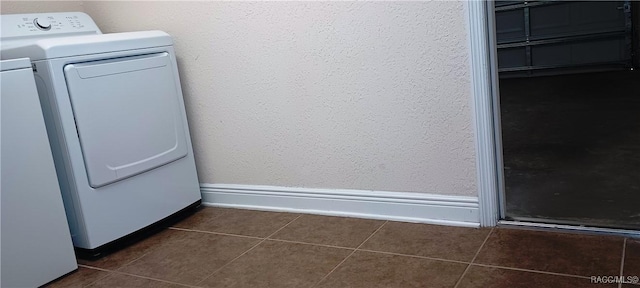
pixel 15 7
pixel 344 95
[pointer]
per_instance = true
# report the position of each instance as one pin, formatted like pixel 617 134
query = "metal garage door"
pixel 543 37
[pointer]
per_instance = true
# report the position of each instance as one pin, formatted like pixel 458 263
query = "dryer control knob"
pixel 42 24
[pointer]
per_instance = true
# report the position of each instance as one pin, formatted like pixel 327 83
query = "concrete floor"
pixel 572 148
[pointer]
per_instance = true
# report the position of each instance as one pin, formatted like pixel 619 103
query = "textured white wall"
pixel 359 95
pixel 24 6
pixel 354 95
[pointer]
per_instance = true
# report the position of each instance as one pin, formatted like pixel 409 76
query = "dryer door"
pixel 127 113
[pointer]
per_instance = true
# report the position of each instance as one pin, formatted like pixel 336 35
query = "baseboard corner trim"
pixel 382 205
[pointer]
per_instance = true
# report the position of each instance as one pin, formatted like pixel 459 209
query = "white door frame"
pixel 486 103
pixel 485 95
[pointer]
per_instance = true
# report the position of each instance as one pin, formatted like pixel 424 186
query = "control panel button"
pixel 42 24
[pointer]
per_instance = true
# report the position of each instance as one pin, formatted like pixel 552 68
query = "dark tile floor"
pixel 219 247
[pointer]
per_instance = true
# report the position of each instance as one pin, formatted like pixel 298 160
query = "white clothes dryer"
pixel 116 121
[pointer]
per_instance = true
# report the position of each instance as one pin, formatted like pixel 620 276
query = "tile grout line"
pixel 100 278
pixel 414 256
pixel 215 233
pixel 307 243
pixel 176 229
pixel 118 270
pixel 155 279
pixel 109 272
pixel 144 254
pixel 348 256
pixel 138 258
pixel 153 249
pixel 374 233
pixel 245 252
pixel 285 226
pixel 476 264
pixel 119 267
pixel 531 271
pixel 94 268
pixel 474 258
pixel 366 250
pixel 624 251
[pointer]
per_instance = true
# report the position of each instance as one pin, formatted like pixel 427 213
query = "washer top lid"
pixel 90 44
pixel 13 64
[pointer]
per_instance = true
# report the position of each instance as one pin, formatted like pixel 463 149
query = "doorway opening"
pixel 569 109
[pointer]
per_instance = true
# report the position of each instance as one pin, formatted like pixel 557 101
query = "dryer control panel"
pixel 46 25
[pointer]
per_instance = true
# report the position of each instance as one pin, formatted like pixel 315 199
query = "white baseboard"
pixel 396 206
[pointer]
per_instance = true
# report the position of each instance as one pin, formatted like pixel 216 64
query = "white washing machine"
pixel 116 121
pixel 36 246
